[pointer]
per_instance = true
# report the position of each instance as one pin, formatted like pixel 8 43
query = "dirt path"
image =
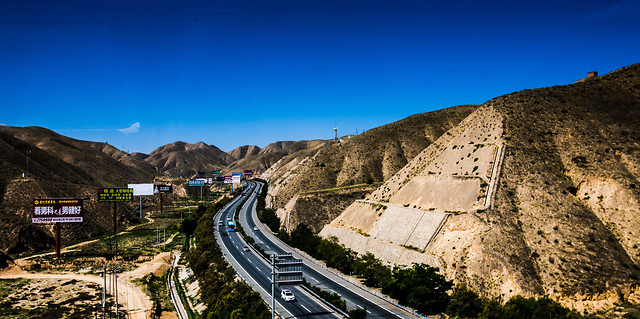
pixel 130 296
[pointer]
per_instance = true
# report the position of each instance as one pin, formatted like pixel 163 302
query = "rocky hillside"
pixel 368 158
pixel 58 167
pixel 243 151
pixel 276 155
pixel 535 193
pixel 182 159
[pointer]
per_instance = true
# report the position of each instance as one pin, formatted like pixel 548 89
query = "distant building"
pixel 592 74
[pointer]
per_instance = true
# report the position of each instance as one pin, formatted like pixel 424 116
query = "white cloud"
pixel 134 128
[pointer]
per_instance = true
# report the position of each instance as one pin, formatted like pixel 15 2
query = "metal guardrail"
pixel 342 313
pixel 280 242
pixel 174 294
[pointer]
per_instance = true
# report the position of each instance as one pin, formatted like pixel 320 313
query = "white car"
pixel 256 228
pixel 245 248
pixel 287 295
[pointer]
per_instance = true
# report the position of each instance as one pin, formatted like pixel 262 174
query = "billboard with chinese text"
pixel 115 194
pixel 54 210
pixel 168 188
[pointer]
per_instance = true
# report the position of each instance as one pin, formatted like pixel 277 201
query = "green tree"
pixel 358 313
pixel 189 226
pixel 336 255
pixel 493 309
pixel 269 217
pixel 464 303
pixel 303 238
pixel 371 270
pixel 420 287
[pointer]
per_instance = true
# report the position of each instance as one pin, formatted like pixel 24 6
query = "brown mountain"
pixel 59 166
pixel 243 151
pixel 371 157
pixel 276 155
pixel 277 146
pixel 535 193
pixel 182 159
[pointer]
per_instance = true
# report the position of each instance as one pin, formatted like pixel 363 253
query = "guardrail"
pixel 303 254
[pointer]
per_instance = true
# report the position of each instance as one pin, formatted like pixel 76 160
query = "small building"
pixel 592 74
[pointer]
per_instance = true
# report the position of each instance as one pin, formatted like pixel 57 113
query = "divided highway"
pixel 256 271
pixel 315 274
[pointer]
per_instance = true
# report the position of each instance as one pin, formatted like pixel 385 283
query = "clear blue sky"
pixel 143 74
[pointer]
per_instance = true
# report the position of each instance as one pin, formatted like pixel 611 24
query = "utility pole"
pixel 115 277
pixel 104 291
pixel 115 257
pixel 28 154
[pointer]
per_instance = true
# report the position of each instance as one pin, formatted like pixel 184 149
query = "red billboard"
pixel 53 210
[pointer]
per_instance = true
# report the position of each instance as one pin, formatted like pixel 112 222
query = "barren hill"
pixel 275 155
pixel 243 151
pixel 534 193
pixel 184 159
pixel 371 157
pixel 58 167
pixel 276 146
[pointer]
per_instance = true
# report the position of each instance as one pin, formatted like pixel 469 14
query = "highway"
pixel 256 271
pixel 315 274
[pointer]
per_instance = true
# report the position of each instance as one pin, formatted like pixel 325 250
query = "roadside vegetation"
pixel 223 295
pixel 266 215
pixel 420 286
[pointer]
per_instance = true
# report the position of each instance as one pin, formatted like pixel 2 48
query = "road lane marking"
pixel 365 309
pixel 305 308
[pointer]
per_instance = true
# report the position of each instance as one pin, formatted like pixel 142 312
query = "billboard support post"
pixel 115 256
pixel 58 240
pixel 57 210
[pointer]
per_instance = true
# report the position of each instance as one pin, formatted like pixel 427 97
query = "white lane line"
pixel 258 268
pixel 256 283
pixel 365 309
pixel 305 308
pixel 316 280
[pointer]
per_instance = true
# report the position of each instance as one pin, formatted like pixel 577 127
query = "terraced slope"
pixel 540 191
pixel 368 158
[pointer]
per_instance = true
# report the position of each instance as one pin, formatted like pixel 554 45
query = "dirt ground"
pixel 137 304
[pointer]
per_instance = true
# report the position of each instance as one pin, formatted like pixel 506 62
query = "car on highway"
pixel 256 228
pixel 220 223
pixel 287 295
pixel 245 248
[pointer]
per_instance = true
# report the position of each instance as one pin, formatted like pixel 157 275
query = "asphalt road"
pixel 317 275
pixel 257 272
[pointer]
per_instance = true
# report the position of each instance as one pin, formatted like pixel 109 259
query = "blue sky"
pixel 143 74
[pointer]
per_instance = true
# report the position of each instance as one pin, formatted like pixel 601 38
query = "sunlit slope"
pixel 368 158
pixel 539 192
pixel 59 166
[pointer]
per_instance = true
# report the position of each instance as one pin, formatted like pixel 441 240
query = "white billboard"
pixel 235 179
pixel 141 189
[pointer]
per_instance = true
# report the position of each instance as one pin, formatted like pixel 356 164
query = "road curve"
pixel 315 273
